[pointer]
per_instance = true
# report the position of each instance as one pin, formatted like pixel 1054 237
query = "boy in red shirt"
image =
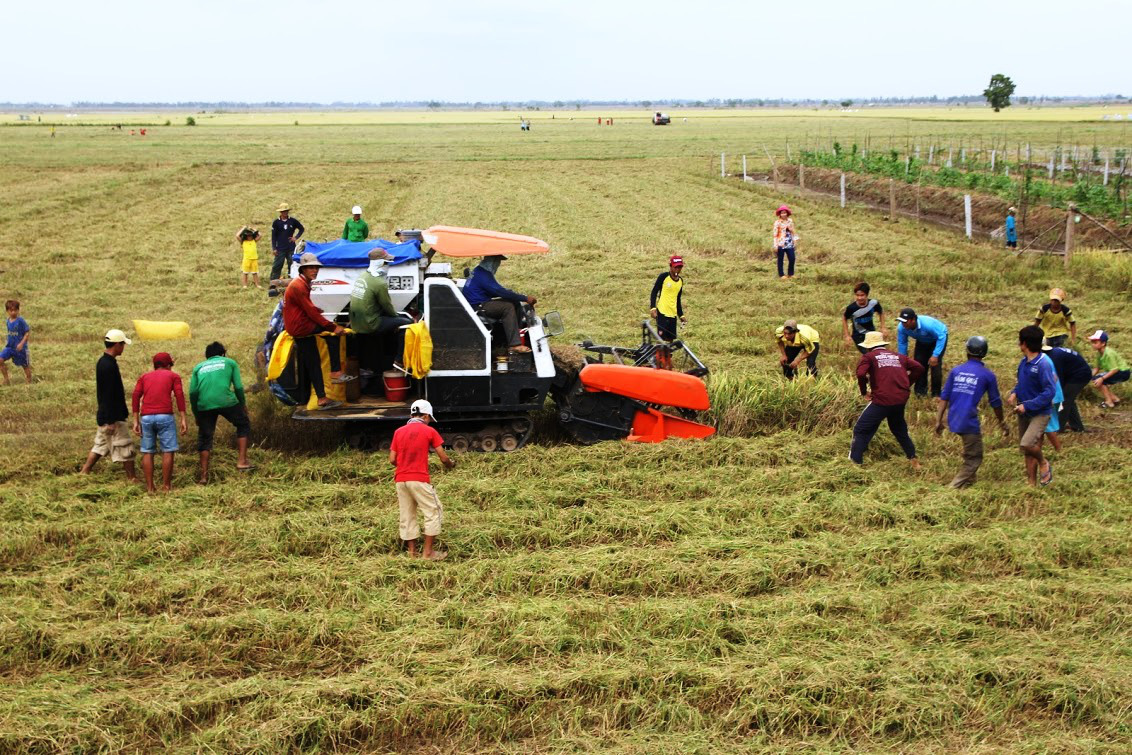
pixel 153 418
pixel 415 494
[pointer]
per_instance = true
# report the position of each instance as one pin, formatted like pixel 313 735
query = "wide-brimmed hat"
pixel 783 208
pixel 1057 293
pixel 309 260
pixel 116 336
pixel 283 208
pixel 873 339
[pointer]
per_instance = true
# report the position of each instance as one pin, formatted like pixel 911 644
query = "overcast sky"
pixel 333 50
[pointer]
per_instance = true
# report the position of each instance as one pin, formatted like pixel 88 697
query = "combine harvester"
pixel 483 396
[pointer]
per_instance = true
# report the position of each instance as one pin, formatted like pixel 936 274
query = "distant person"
pixel 355 229
pixel 857 320
pixel 1011 231
pixel 154 394
pixel 216 390
pixel 1055 320
pixel 415 494
pixel 962 392
pixel 1111 369
pixel 785 240
pixel 372 316
pixel 885 380
pixel 285 232
pixel 1073 373
pixel 247 238
pixel 16 347
pixel 1032 399
pixel 930 335
pixel 112 437
pixel 666 302
pixel 797 342
pixel 485 295
pixel 303 320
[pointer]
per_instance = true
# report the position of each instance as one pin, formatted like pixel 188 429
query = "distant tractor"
pixel 660 119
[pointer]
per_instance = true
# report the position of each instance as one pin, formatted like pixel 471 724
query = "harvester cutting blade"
pixel 652 426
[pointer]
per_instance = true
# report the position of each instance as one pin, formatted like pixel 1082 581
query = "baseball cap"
pixel 1057 293
pixel 790 325
pixel 906 314
pixel 357 210
pixel 116 336
pixel 1100 335
pixel 309 260
pixel 420 406
pixel 162 359
pixel 676 260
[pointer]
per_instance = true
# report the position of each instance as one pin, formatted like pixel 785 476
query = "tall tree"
pixel 999 91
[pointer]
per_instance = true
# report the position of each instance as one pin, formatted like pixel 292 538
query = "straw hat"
pixel 873 339
pixel 283 208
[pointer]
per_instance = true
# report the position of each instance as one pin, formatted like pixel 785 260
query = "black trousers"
pixel 666 327
pixel 792 353
pixel 378 350
pixel 1070 415
pixel 279 263
pixel 868 424
pixel 206 424
pixel 922 354
pixel 308 370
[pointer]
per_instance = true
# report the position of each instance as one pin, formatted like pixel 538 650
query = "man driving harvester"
pixel 485 295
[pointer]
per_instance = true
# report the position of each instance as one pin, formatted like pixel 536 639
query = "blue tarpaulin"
pixel 343 253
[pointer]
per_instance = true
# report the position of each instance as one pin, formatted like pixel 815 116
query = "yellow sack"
pixel 155 330
pixel 418 350
pixel 280 355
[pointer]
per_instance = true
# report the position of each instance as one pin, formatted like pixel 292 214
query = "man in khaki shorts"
pixel 1032 399
pixel 113 436
pixel 415 494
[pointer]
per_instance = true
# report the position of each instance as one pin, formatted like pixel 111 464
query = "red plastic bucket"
pixel 396 385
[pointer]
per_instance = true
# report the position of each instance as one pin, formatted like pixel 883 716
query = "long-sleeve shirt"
pixel 355 230
pixel 154 393
pixel 667 296
pixel 110 391
pixel 300 316
pixel 1011 233
pixel 1037 384
pixel 891 376
pixel 282 232
pixel 784 234
pixel 369 302
pixel 216 384
pixel 482 286
pixel 1071 367
pixel 927 330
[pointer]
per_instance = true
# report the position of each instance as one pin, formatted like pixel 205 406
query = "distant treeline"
pixel 560 104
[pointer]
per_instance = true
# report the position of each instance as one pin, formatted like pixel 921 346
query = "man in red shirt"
pixel 303 320
pixel 415 494
pixel 153 418
pixel 891 375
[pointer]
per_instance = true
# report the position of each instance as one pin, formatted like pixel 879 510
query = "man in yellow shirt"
pixel 665 303
pixel 794 342
pixel 1056 321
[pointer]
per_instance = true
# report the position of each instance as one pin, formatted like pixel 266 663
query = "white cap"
pixel 116 336
pixel 357 210
pixel 420 406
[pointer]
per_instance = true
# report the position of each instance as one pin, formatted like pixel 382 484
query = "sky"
pixel 491 50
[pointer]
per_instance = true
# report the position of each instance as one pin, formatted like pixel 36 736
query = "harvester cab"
pixel 483 393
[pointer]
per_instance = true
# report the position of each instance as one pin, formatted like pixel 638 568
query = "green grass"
pixel 754 592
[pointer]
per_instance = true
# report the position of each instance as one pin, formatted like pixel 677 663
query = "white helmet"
pixel 419 407
pixel 357 210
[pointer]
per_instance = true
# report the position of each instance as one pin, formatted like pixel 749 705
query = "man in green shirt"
pixel 216 390
pixel 1111 369
pixel 356 229
pixel 372 317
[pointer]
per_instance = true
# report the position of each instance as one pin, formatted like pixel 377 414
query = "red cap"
pixel 676 260
pixel 783 207
pixel 162 359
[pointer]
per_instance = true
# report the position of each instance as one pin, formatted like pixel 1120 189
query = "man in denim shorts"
pixel 153 418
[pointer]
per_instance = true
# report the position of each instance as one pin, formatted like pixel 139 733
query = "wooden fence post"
pixel 843 191
pixel 892 199
pixel 967 213
pixel 1069 216
pixel 801 176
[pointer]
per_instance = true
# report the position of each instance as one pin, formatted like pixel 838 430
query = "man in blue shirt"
pixel 1074 373
pixel 1032 399
pixel 485 295
pixel 960 399
pixel 1011 233
pixel 930 335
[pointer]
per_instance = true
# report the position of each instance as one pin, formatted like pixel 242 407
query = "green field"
pixel 754 592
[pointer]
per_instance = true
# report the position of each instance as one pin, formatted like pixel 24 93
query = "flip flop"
pixel 343 379
pixel 329 405
pixel 437 556
pixel 1047 476
pixel 248 468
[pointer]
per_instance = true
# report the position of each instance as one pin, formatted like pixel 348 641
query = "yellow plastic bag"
pixel 418 350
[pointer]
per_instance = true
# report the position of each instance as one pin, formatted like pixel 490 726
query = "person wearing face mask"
pixel 486 295
pixel 372 316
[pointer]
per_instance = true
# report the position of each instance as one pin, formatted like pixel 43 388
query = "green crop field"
pixel 752 592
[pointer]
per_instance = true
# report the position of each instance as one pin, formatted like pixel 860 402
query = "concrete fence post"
pixel 722 165
pixel 744 167
pixel 843 191
pixel 892 199
pixel 1105 172
pixel 967 214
